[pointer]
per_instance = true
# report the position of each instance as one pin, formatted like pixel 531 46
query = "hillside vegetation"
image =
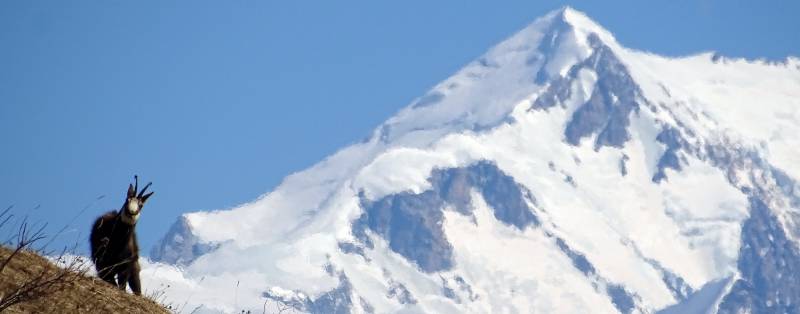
pixel 40 286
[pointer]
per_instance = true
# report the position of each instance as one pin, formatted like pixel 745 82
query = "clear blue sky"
pixel 217 101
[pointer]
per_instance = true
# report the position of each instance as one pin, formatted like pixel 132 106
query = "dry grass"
pixel 70 292
pixel 31 283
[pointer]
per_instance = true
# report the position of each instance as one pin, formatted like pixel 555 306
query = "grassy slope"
pixel 84 294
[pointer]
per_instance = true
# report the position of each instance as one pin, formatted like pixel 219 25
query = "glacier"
pixel 558 173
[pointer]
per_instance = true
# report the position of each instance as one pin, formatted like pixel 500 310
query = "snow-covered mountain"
pixel 558 173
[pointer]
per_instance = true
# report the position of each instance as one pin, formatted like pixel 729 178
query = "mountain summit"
pixel 558 173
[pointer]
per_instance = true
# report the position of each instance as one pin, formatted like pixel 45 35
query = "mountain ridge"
pixel 638 179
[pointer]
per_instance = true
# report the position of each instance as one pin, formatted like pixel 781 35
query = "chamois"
pixel 115 252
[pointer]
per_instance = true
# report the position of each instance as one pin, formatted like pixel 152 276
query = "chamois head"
pixel 133 203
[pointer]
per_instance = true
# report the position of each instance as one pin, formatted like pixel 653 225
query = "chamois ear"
pixel 146 196
pixel 131 191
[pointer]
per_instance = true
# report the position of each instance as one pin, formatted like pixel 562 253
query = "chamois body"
pixel 115 251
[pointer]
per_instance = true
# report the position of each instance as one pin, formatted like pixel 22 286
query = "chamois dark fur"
pixel 115 251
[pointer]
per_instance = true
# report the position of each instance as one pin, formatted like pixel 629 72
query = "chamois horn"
pixel 144 189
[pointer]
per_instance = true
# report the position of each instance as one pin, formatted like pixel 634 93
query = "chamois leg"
pixel 104 271
pixel 109 278
pixel 134 281
pixel 122 279
pixel 107 274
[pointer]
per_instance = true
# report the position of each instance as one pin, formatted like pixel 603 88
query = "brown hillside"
pixel 72 293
